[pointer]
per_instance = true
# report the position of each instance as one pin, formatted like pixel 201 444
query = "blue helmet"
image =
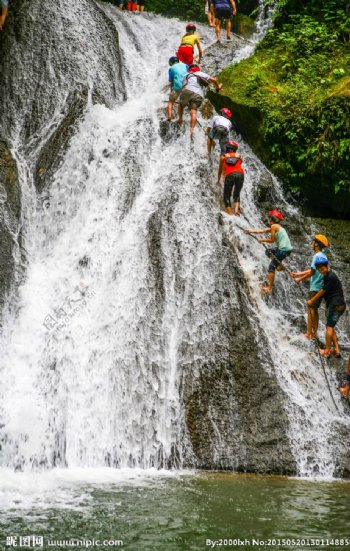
pixel 321 259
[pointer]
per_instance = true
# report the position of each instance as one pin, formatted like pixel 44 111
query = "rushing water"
pixel 174 512
pixel 119 295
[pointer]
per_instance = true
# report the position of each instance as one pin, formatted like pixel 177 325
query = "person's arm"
pixel 316 297
pixel 218 84
pixel 221 167
pixel 266 230
pixel 233 5
pixel 300 276
pixel 271 239
pixel 200 51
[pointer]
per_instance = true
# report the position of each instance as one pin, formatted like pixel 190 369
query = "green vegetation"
pixel 292 99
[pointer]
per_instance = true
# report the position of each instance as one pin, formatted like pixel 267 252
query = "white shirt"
pixel 192 83
pixel 219 120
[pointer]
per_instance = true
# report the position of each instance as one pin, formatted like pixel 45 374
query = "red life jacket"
pixel 230 167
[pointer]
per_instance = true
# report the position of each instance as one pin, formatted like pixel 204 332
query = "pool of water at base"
pixel 142 511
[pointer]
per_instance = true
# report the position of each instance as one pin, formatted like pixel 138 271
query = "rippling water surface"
pixel 150 510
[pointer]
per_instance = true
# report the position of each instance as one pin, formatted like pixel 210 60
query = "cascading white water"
pixel 121 267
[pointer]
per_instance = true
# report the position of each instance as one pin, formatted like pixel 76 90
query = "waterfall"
pixel 133 303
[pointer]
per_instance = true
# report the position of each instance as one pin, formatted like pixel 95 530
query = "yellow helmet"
pixel 322 239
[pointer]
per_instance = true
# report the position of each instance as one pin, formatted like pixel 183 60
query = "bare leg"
pixel 237 206
pixel 335 343
pixel 142 8
pixel 228 210
pixel 228 29
pixel 329 338
pixel 218 29
pixel 312 323
pixel 271 281
pixel 210 145
pixel 180 111
pixel 3 17
pixel 170 108
pixel 193 114
pixel 345 390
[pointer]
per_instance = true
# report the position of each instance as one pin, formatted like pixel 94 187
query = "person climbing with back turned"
pixel 4 6
pixel 219 128
pixel 278 254
pixel 177 71
pixel 223 10
pixel 320 242
pixel 231 165
pixel 192 93
pixel 185 53
pixel 332 291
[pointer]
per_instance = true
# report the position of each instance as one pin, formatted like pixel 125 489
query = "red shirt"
pixel 236 168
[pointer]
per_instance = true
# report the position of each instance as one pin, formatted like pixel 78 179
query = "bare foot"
pixel 265 289
pixel 309 336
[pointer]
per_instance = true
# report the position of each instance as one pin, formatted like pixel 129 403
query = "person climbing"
pixel 219 128
pixel 332 291
pixel 223 10
pixel 185 53
pixel 192 93
pixel 231 165
pixel 319 243
pixel 278 254
pixel 176 73
pixel 345 390
pixel 4 5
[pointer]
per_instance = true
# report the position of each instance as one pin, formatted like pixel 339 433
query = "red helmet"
pixel 226 112
pixel 231 146
pixel 276 214
pixel 194 68
pixel 191 27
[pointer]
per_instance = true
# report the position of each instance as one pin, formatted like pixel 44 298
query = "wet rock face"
pixel 9 219
pixel 234 406
pixel 44 90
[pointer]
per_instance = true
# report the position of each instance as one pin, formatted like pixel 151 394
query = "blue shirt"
pixel 176 75
pixel 316 282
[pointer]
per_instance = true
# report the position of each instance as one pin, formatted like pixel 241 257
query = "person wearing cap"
pixel 319 243
pixel 4 6
pixel 185 53
pixel 277 254
pixel 192 93
pixel 231 165
pixel 176 73
pixel 332 291
pixel 219 128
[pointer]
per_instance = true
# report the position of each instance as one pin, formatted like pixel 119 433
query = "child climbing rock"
pixel 277 254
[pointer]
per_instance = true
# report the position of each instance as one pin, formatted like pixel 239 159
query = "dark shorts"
pixel 190 99
pixel 141 2
pixel 277 258
pixel 334 313
pixel 315 305
pixel 233 181
pixel 220 133
pixel 223 13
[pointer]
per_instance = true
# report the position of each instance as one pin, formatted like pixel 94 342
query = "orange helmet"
pixel 321 239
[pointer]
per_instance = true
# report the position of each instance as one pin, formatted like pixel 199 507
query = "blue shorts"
pixel 334 313
pixel 4 3
pixel 275 262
